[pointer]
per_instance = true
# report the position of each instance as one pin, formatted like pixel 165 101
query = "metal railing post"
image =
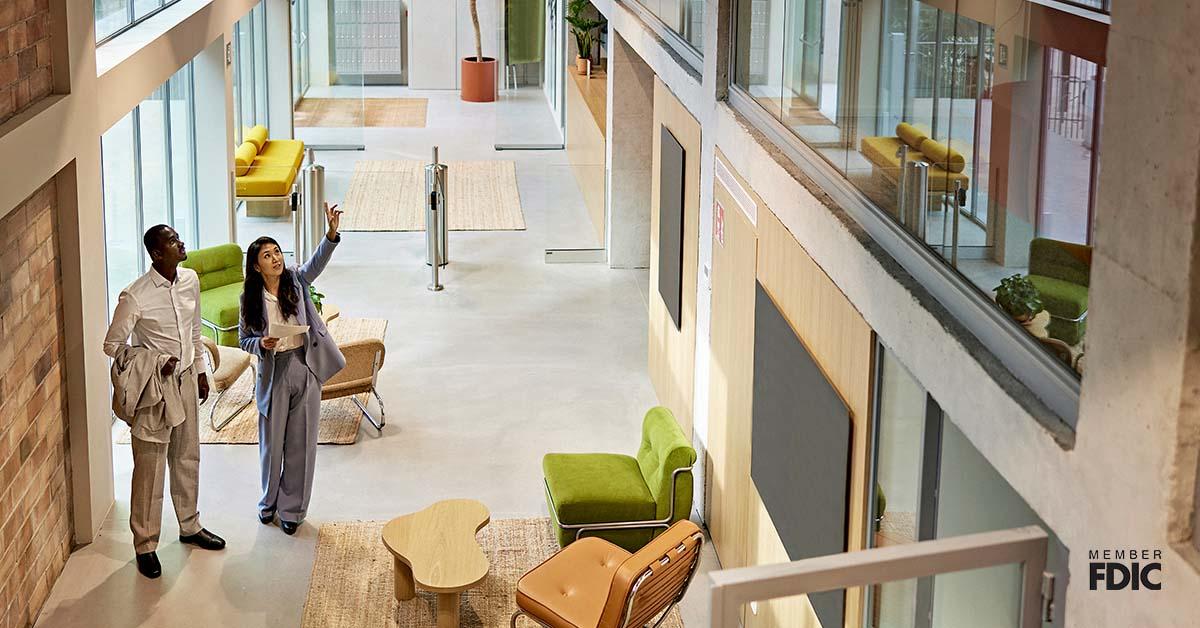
pixel 314 209
pixel 435 219
pixel 916 196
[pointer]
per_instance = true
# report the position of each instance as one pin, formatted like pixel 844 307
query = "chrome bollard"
pixel 314 209
pixel 435 219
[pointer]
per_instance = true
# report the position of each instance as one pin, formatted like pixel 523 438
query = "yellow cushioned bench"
pixel 265 167
pixel 881 152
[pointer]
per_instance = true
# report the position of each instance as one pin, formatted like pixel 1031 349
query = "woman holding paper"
pixel 280 325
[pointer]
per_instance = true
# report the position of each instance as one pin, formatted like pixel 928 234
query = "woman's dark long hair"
pixel 252 292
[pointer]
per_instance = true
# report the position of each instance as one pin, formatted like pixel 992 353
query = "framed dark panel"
pixel 670 224
pixel 800 448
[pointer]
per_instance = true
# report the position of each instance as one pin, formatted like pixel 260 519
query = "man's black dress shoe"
pixel 266 519
pixel 148 565
pixel 288 527
pixel 204 540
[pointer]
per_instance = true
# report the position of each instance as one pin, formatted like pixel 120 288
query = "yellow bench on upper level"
pixel 266 169
pixel 946 165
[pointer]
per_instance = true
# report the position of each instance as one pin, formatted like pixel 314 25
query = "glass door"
pixel 534 75
pixel 331 41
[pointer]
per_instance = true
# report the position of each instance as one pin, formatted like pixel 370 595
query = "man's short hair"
pixel 154 237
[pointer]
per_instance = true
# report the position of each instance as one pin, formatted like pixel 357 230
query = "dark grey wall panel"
pixel 670 224
pixel 800 448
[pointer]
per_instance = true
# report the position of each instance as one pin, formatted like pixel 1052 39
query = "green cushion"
pixel 589 488
pixel 665 448
pixel 596 488
pixel 1061 298
pixel 217 266
pixel 222 306
pixel 1061 260
pixel 1064 300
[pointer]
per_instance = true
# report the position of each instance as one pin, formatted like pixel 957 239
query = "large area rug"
pixel 340 418
pixel 360 112
pixel 390 196
pixel 352 580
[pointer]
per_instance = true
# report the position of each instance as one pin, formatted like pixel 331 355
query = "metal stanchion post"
pixel 435 219
pixel 314 209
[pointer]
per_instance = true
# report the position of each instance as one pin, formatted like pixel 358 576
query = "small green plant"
pixel 316 297
pixel 582 26
pixel 1019 297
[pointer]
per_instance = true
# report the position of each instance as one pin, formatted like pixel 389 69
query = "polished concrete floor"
pixel 514 359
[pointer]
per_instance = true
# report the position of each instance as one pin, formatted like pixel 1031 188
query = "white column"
pixel 214 142
pixel 279 67
pixel 318 43
pixel 433 44
pixel 630 127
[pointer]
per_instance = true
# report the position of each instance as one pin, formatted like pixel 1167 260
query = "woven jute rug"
pixel 340 418
pixel 352 579
pixel 359 112
pixel 390 196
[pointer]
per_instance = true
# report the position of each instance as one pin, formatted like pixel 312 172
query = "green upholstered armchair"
pixel 1060 271
pixel 623 499
pixel 221 277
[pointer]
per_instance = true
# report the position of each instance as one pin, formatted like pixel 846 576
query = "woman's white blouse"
pixel 275 315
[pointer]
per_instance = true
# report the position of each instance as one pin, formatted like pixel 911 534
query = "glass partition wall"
pixel 971 124
pixel 339 48
pixel 932 483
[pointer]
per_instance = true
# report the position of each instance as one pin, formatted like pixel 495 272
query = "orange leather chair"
pixel 592 583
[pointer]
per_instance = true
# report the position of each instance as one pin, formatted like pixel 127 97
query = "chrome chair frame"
pixel 377 424
pixel 580 528
pixel 699 537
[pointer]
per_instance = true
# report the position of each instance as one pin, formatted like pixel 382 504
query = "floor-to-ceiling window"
pixel 149 176
pixel 684 17
pixel 300 49
pixel 113 16
pixel 932 483
pixel 972 125
pixel 250 71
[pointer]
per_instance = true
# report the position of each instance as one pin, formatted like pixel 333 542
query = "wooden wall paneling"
pixel 731 344
pixel 672 352
pixel 842 343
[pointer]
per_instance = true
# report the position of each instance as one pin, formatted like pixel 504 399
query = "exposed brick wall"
pixel 35 494
pixel 24 54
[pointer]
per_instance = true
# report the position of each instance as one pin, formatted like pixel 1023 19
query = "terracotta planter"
pixel 479 80
pixel 583 66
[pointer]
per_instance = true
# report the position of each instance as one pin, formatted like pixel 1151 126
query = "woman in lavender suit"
pixel 291 371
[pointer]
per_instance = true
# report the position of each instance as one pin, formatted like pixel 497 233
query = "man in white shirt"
pixel 161 310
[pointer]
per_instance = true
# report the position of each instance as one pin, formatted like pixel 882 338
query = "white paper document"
pixel 283 330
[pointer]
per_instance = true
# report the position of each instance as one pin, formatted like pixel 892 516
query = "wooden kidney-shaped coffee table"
pixel 436 550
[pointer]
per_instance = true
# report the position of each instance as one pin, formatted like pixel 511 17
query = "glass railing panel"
pixel 972 130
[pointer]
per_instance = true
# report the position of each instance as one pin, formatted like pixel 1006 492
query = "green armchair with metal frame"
pixel 625 500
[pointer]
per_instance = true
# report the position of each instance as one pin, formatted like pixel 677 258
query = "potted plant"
pixel 478 72
pixel 316 297
pixel 582 27
pixel 1019 298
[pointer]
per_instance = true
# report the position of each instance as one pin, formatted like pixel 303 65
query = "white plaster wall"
pixel 441 35
pixel 432 48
